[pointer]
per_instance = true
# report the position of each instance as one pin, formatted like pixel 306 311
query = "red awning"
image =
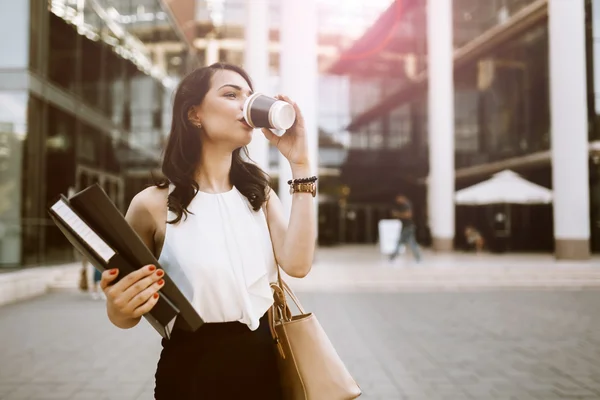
pixel 375 50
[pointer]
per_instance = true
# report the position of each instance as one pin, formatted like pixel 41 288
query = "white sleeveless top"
pixel 221 258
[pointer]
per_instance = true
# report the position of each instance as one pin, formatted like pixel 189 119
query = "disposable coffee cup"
pixel 261 111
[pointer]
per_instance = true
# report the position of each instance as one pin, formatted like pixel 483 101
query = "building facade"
pixel 83 99
pixel 85 96
pixel 506 60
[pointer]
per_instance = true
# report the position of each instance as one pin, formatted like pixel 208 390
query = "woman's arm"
pixel 140 219
pixel 293 243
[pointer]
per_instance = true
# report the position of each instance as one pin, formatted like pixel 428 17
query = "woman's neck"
pixel 212 175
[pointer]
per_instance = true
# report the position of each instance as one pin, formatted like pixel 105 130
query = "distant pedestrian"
pixel 474 238
pixel 403 211
pixel 95 291
pixel 83 279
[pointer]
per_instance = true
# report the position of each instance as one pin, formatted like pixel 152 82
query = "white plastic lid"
pixel 282 115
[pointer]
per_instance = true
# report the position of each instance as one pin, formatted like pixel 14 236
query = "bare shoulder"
pixel 147 214
pixel 148 206
pixel 150 199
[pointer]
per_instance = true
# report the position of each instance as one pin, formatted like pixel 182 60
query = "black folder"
pixel 97 229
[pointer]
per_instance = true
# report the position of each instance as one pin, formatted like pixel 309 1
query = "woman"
pixel 210 221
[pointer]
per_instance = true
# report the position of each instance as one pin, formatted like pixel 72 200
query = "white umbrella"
pixel 505 187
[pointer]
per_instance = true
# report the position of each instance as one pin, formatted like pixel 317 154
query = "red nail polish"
pixel 155 295
pixel 160 272
pixel 161 282
pixel 152 268
pixel 113 271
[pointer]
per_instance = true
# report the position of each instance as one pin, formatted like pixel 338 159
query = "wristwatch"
pixel 304 187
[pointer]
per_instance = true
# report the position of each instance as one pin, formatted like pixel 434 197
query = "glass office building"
pixel 84 98
pixel 502 111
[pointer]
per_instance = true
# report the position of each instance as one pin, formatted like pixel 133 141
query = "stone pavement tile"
pixel 530 385
pixel 147 394
pixel 462 378
pixel 6 389
pixel 507 389
pixel 91 395
pixel 564 396
pixel 119 392
pixel 576 384
pixel 147 390
pixel 575 392
pixel 390 392
pixel 99 385
pixel 478 391
pixel 413 390
pixel 377 384
pixel 422 397
pixel 434 394
pixel 569 387
pixel 445 387
pixel 590 384
pixel 7 373
pixel 368 396
pixel 42 391
pixel 544 395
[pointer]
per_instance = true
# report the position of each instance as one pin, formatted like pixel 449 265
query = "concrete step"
pixel 69 279
pixel 32 282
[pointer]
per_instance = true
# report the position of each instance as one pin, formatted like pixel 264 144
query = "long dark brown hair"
pixel 182 154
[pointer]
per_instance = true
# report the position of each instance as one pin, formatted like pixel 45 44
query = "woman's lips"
pixel 243 121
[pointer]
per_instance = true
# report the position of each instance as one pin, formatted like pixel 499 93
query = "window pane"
pixel 13 127
pixel 60 177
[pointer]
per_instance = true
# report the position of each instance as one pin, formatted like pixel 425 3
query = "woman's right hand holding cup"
pixel 132 296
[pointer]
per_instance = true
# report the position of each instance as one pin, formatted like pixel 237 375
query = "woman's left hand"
pixel 293 143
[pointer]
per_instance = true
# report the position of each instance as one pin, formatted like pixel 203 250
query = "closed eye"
pixel 231 95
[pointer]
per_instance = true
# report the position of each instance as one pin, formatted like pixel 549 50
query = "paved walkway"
pixel 488 345
pixel 437 330
pixel 363 268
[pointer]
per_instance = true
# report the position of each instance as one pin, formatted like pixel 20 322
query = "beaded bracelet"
pixel 302 180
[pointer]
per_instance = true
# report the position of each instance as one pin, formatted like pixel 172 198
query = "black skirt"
pixel 219 361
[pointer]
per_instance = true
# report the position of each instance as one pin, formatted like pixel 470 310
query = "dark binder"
pixel 109 242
